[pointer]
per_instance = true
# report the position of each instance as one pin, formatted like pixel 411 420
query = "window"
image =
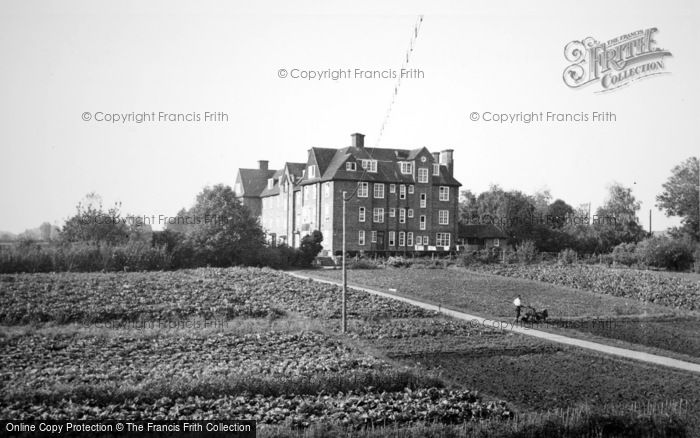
pixel 409 239
pixel 444 217
pixel 378 215
pixel 422 222
pixel 402 215
pixel 362 214
pixel 392 188
pixel 392 212
pixel 436 170
pixel 410 212
pixel 402 191
pixel 350 166
pixel 370 165
pixel 496 242
pixel 444 193
pixel 406 167
pixel 419 240
pixel 361 237
pixel 378 190
pixel 362 189
pixel 411 189
pixel 442 239
pixel 423 202
pixel 270 183
pixel 422 175
pixel 312 172
pixel 402 238
pixel 392 238
pixel 426 241
pixel 373 236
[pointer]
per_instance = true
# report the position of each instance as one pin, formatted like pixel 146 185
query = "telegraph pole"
pixel 345 275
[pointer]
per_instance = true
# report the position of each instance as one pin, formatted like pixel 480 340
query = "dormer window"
pixel 270 183
pixel 311 171
pixel 436 170
pixel 406 167
pixel 370 165
pixel 350 166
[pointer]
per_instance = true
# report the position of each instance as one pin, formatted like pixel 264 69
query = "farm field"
pixel 260 344
pixel 629 323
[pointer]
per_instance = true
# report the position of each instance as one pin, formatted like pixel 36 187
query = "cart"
pixel 533 316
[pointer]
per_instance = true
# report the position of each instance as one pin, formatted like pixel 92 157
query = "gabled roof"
pixel 275 186
pixel 480 231
pixel 331 163
pixel 253 181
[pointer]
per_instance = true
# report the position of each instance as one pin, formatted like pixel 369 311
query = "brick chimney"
pixel 446 159
pixel 358 140
pixel 262 164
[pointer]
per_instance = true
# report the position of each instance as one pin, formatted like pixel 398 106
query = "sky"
pixel 61 61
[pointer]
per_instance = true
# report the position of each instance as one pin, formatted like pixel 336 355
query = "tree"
pixel 616 220
pixel 468 209
pixel 309 248
pixel 93 224
pixel 223 232
pixel 558 212
pixel 681 196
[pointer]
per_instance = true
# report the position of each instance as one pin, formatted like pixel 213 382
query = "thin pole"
pixel 345 274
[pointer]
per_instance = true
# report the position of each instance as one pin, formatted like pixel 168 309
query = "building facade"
pixel 398 200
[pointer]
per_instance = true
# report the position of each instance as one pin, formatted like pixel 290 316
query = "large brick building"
pixel 403 200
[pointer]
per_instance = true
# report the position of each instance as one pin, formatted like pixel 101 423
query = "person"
pixel 518 305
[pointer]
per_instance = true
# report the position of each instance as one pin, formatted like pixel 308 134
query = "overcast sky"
pixel 62 59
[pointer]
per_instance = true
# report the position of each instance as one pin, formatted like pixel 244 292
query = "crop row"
pixel 204 293
pixel 647 286
pixel 354 408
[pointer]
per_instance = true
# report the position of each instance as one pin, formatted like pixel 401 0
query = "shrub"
pixel 309 248
pixel 663 252
pixel 625 254
pixel 362 264
pixel 526 251
pixel 398 262
pixel 567 257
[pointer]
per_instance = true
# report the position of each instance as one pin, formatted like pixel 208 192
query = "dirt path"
pixel 508 325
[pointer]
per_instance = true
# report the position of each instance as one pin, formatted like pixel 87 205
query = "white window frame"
pixel 361 237
pixel 406 167
pixel 410 212
pixel 373 236
pixel 411 189
pixel 392 238
pixel 419 240
pixel 370 165
pixel 362 189
pixel 402 191
pixel 496 242
pixel 426 241
pixel 442 239
pixel 409 238
pixel 270 183
pixel 392 212
pixel 423 200
pixel 444 193
pixel 423 174
pixel 351 166
pixel 402 216
pixel 436 169
pixel 402 238
pixel 422 222
pixel 444 217
pixel 378 190
pixel 392 188
pixel 362 214
pixel 378 215
pixel 312 171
